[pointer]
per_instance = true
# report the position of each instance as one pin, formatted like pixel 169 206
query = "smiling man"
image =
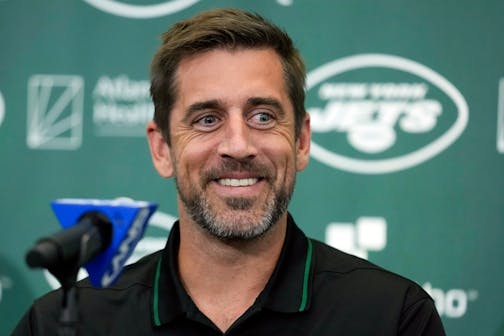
pixel 232 147
pixel 231 129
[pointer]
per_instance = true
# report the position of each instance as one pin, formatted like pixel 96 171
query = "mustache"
pixel 230 165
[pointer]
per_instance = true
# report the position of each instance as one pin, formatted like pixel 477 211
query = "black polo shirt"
pixel 314 290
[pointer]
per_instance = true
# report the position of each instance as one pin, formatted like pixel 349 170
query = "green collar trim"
pixel 155 299
pixel 304 297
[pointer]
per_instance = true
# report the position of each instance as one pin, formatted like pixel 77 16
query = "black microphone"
pixel 74 246
pixel 98 234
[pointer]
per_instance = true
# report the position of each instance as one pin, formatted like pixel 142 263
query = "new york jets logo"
pixel 122 8
pixel 376 113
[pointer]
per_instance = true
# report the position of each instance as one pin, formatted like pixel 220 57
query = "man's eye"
pixel 208 120
pixel 262 119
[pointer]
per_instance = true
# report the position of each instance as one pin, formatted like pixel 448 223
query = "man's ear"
pixel 160 151
pixel 303 144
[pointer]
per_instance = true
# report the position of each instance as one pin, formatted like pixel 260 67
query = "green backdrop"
pixel 407 104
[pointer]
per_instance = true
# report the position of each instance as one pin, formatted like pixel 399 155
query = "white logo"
pixel 121 106
pixel 150 243
pixel 368 234
pixel 147 245
pixel 368 112
pixel 500 118
pixel 141 11
pixel 451 303
pixel 2 108
pixel 55 104
pixel 133 235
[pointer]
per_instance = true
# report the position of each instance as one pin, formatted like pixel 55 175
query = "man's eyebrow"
pixel 203 105
pixel 200 106
pixel 266 101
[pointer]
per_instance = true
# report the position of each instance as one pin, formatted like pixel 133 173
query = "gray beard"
pixel 234 228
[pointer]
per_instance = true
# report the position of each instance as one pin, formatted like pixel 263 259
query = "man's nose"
pixel 237 139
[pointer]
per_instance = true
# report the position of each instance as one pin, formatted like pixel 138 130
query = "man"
pixel 230 127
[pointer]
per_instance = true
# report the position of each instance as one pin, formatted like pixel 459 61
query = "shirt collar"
pixel 288 289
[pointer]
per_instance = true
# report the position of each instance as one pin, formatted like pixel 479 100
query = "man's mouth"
pixel 233 182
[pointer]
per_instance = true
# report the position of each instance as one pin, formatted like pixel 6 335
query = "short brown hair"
pixel 222 28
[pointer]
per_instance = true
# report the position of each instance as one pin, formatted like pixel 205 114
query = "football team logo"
pixel 121 8
pixel 375 113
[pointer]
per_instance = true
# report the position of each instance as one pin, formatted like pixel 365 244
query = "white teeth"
pixel 237 182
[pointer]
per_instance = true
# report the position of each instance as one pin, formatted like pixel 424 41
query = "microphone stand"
pixel 67 276
pixel 67 268
pixel 69 316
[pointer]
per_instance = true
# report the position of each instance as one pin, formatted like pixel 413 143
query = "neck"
pixel 224 278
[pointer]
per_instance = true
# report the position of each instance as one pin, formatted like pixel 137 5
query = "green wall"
pixel 407 166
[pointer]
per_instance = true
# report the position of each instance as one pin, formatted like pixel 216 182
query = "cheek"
pixel 281 144
pixel 192 157
pixel 282 156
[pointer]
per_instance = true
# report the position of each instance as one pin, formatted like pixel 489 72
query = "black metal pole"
pixel 69 317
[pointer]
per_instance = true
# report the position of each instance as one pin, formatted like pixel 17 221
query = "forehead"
pixel 230 75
